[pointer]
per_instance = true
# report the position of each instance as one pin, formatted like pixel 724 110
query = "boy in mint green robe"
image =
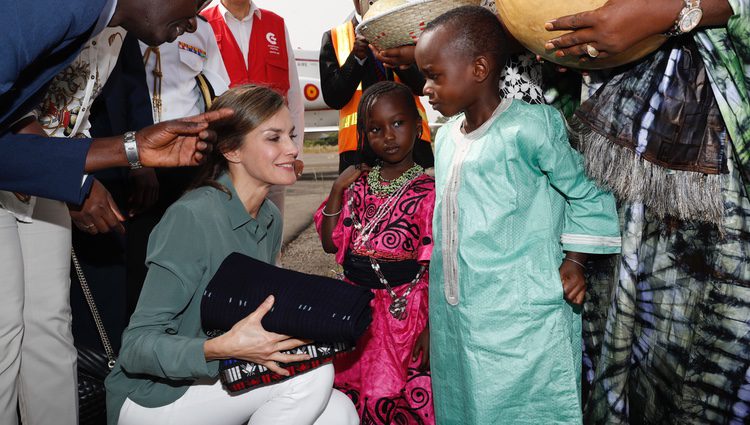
pixel 515 218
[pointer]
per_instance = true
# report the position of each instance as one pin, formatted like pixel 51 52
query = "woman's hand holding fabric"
pixel 247 340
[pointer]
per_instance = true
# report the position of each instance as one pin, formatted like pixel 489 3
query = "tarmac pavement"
pixel 304 197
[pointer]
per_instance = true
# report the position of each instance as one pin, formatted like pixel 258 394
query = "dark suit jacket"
pixel 38 39
pixel 124 103
pixel 339 83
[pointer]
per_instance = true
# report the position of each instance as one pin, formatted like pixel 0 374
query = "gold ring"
pixel 591 51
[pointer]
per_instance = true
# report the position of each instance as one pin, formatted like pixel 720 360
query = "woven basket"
pixel 403 24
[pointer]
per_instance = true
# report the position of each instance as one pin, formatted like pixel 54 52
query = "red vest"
pixel 267 56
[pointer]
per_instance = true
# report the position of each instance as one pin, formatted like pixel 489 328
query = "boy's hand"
pixel 350 175
pixel 574 284
pixel 422 345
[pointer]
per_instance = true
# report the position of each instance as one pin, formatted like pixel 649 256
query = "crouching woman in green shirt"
pixel 167 372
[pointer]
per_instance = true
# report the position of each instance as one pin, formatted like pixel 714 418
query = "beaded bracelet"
pixel 575 261
pixel 325 214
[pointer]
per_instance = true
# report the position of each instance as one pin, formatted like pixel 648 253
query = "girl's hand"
pixel 247 340
pixel 349 176
pixel 299 167
pixel 422 346
pixel 574 284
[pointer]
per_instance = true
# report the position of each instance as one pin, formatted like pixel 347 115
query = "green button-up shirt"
pixel 162 347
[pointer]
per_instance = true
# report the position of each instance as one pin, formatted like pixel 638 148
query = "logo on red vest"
pixel 273 42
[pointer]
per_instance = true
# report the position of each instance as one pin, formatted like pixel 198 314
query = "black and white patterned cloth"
pixel 522 76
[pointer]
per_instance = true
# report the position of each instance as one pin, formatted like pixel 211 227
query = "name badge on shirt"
pixel 192 49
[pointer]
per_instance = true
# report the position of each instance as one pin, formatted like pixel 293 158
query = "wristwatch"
pixel 688 19
pixel 131 150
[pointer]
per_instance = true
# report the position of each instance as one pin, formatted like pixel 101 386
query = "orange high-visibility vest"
pixel 342 38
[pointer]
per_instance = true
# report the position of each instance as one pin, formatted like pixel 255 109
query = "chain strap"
pixel 398 303
pixel 94 311
pixel 156 99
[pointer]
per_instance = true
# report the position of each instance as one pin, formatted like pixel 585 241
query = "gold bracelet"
pixel 575 261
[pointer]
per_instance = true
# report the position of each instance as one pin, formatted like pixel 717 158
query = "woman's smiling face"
pixel 268 152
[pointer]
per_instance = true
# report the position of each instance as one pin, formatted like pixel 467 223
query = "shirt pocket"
pixel 192 61
pixel 277 72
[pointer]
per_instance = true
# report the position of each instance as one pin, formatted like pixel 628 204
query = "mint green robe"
pixel 511 197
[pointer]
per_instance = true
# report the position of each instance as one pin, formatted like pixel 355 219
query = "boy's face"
pixel 449 75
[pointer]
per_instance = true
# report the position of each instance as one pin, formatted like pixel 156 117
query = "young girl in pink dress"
pixel 378 221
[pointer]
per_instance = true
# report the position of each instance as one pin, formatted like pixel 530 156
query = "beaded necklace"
pixel 375 180
pixel 399 187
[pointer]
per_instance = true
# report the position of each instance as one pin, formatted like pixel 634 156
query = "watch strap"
pixel 677 28
pixel 131 150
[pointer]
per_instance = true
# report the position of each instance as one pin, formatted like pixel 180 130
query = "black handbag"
pixel 94 364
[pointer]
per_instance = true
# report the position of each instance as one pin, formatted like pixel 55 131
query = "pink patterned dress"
pixel 379 376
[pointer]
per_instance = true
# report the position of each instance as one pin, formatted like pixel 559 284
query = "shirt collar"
pixel 479 132
pixel 254 9
pixel 107 13
pixel 238 215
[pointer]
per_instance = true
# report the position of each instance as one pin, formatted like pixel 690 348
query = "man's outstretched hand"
pixel 178 143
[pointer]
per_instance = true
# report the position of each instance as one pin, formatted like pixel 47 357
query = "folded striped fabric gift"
pixel 307 306
pixel 330 312
pixel 238 375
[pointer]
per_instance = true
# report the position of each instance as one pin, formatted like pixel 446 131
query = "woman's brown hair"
pixel 252 105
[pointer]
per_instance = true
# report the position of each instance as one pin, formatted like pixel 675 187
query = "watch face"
pixel 691 19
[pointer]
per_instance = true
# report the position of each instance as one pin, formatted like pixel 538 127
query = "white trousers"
pixel 305 399
pixel 37 356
